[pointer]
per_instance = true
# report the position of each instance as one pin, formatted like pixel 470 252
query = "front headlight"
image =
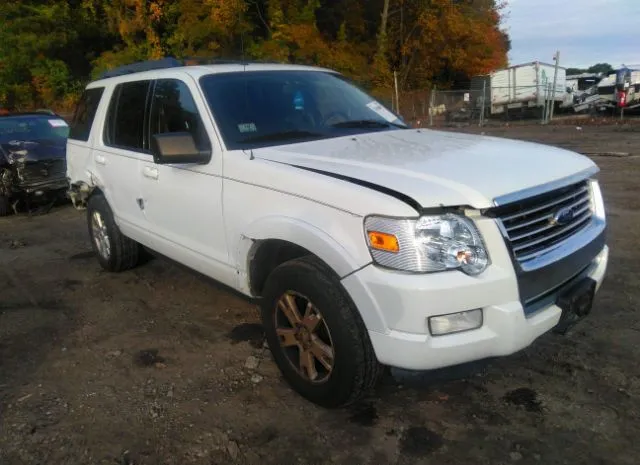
pixel 427 244
pixel 597 200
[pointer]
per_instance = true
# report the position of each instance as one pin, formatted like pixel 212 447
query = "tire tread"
pixel 5 207
pixel 368 369
pixel 125 252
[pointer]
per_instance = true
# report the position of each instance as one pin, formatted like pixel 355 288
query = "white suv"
pixel 368 243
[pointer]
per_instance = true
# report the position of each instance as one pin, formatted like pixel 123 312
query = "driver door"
pixel 183 202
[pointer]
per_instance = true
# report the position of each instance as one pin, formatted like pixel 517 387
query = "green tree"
pixel 573 71
pixel 604 68
pixel 45 51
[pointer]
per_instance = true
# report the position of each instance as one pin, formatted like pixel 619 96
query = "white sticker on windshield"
pixel 382 111
pixel 57 123
pixel 247 127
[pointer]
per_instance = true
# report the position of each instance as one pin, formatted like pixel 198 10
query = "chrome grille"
pixel 535 225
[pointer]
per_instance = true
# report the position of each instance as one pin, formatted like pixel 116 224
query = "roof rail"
pixel 141 66
pixel 6 114
pixel 195 61
pixel 172 62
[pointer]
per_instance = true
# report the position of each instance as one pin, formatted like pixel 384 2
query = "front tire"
pixel 114 250
pixel 5 207
pixel 316 335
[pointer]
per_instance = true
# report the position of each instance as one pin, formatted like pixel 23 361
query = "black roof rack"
pixel 30 113
pixel 171 62
pixel 141 66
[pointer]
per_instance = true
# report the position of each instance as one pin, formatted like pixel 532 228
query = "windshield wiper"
pixel 284 135
pixel 366 123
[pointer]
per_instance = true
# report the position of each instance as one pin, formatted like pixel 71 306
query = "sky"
pixel 585 32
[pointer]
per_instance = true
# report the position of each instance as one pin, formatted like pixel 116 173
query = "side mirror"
pixel 177 148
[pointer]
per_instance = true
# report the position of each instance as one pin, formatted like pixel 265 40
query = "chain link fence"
pixel 481 105
pixel 413 106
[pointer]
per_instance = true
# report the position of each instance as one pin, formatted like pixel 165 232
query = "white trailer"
pixel 522 86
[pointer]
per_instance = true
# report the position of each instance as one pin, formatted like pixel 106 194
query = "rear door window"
pixel 85 113
pixel 126 118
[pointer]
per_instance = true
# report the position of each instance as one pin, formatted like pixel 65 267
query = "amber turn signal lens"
pixel 383 241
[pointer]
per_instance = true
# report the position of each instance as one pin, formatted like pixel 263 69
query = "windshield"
pixel 31 128
pixel 260 108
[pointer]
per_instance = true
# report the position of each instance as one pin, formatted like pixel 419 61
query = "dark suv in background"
pixel 32 158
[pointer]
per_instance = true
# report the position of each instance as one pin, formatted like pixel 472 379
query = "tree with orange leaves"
pixel 449 41
pixel 48 48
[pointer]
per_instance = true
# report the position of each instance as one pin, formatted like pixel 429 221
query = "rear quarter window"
pixel 85 114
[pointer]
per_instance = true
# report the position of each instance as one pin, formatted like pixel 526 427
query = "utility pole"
pixel 546 104
pixel 395 80
pixel 484 93
pixel 432 99
pixel 549 104
pixel 555 77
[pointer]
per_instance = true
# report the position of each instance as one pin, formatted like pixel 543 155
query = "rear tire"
pixel 327 334
pixel 5 207
pixel 114 250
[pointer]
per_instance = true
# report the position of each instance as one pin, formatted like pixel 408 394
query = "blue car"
pixel 32 158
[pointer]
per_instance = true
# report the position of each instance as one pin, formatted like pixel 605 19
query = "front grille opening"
pixel 533 226
pixel 40 171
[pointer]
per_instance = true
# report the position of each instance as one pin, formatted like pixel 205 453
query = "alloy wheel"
pixel 100 235
pixel 304 337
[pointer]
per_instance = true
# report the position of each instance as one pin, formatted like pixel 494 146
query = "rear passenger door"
pixel 183 202
pixel 121 150
pixel 81 136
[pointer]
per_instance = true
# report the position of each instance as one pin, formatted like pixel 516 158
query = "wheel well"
pixel 266 257
pixel 95 191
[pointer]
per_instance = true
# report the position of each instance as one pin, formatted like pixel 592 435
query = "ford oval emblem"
pixel 562 216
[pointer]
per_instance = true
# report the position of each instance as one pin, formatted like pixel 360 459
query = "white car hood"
pixel 434 168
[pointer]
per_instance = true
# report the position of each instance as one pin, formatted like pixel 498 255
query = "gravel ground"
pixel 158 366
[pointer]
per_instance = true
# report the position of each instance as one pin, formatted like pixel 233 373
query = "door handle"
pixel 100 159
pixel 149 172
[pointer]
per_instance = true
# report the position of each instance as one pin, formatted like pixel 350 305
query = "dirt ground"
pixel 159 366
